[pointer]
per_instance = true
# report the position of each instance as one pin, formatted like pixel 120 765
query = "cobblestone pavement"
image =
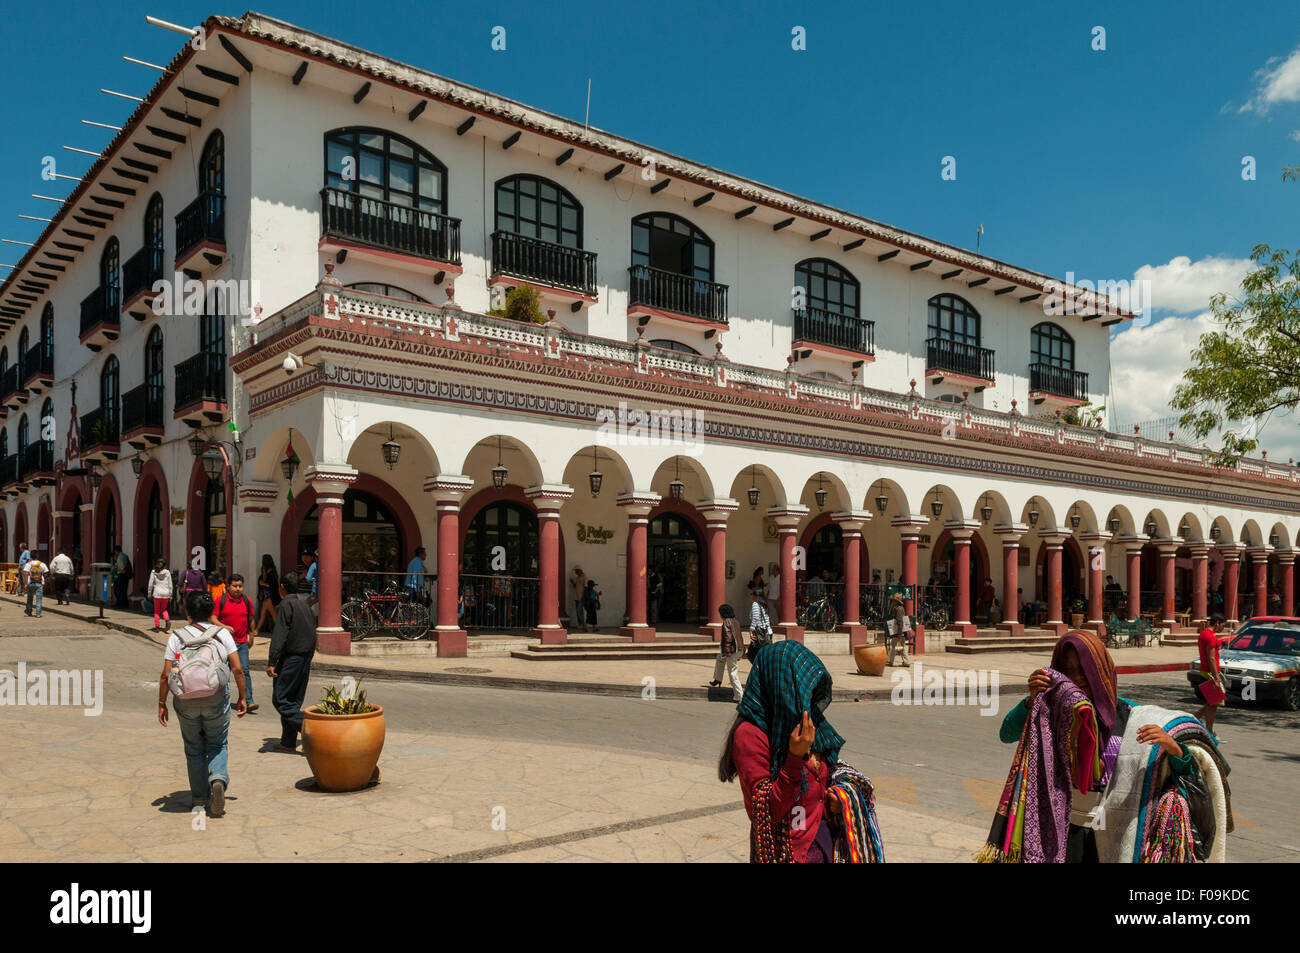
pixel 564 777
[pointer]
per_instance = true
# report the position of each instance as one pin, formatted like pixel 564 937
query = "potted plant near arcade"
pixel 1077 609
pixel 342 738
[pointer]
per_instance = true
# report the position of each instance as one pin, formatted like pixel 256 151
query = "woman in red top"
pixel 1211 690
pixel 783 750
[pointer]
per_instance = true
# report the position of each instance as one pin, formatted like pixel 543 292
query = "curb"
pixel 92 620
pixel 1153 667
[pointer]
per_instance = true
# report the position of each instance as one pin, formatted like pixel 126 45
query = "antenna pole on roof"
pixel 978 232
pixel 174 27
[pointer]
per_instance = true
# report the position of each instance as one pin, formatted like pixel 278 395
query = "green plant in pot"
pixel 523 303
pixel 1077 609
pixel 342 737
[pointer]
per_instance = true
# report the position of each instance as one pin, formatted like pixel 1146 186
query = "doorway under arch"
pixel 673 551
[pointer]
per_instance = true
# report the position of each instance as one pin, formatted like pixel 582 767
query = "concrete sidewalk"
pixel 685 679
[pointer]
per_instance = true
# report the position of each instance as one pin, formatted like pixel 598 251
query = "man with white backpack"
pixel 198 663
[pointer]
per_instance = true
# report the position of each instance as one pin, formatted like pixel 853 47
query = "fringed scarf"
pixel 1032 821
pixel 851 812
pixel 771 835
pixel 1171 841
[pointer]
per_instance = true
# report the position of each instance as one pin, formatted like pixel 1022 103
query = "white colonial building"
pixel 889 403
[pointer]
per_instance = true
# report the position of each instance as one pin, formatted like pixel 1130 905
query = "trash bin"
pixel 100 589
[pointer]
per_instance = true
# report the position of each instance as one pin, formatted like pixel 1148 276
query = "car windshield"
pixel 1275 641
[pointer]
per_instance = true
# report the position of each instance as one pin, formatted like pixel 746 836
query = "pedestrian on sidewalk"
pixel 415 573
pixel 293 643
pixel 786 755
pixel 1211 690
pixel 198 663
pixel 899 626
pixel 191 580
pixel 24 557
pixel 121 577
pixel 235 612
pixel 577 588
pixel 36 571
pixel 312 577
pixel 773 594
pixel 591 602
pixel 268 593
pixel 62 571
pixel 1083 756
pixel 760 626
pixel 988 596
pixel 654 591
pixel 730 649
pixel 160 591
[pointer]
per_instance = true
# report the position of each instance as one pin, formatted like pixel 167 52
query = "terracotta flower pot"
pixel 1076 620
pixel 342 750
pixel 870 658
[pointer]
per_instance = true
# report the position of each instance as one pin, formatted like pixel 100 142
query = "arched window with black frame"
pixel 153 236
pixel 110 278
pixel 154 526
pixel 953 344
pixel 4 361
pixel 46 424
pixel 24 341
pixel 1051 368
pixel 538 234
pixel 212 164
pixel 109 394
pixel 154 373
pixel 47 338
pixel 4 442
pixel 672 268
pixel 212 344
pixel 830 307
pixel 24 433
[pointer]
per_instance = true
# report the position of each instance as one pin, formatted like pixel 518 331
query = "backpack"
pixel 248 605
pixel 201 671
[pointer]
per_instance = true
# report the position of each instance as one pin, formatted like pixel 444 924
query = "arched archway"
pixel 675 551
pixel 1074 582
pixel 208 505
pixel 44 541
pixel 151 539
pixel 823 541
pixel 108 525
pixel 943 567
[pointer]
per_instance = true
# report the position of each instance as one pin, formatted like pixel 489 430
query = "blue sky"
pixel 1074 160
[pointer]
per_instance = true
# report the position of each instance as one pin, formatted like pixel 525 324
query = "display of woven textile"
pixel 851 812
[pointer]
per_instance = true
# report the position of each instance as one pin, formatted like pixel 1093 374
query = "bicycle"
pixel 391 610
pixel 818 614
pixel 933 615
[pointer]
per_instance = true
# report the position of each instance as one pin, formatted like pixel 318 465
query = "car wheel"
pixel 1291 695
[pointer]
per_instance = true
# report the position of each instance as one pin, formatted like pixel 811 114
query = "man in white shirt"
pixel 774 591
pixel 62 571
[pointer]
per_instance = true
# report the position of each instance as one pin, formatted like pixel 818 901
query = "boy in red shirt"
pixel 234 610
pixel 1212 689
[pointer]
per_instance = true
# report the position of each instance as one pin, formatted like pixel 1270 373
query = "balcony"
pixel 828 331
pixel 657 293
pixel 201 389
pixel 38 369
pixel 101 319
pixel 36 464
pixel 142 416
pixel 12 394
pixel 1046 381
pixel 9 472
pixel 543 262
pixel 944 358
pixel 139 273
pixel 201 231
pixel 99 436
pixel 349 220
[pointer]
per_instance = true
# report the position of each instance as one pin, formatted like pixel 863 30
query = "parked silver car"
pixel 1262 662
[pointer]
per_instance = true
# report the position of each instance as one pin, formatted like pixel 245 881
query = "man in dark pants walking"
pixel 293 642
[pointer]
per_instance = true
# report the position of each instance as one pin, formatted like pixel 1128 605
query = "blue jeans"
pixel 36 589
pixel 287 696
pixel 204 729
pixel 242 649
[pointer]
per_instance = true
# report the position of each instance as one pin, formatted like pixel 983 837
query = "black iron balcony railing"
pixel 140 272
pixel 819 326
pixel 99 429
pixel 142 407
pixel 101 306
pixel 36 459
pixel 387 225
pixel 680 294
pixel 9 470
pixel 203 220
pixel 200 378
pixel 956 357
pixel 9 384
pixel 38 363
pixel 1058 381
pixel 545 262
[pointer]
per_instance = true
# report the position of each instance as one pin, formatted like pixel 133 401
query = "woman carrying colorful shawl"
pixel 804 806
pixel 1069 732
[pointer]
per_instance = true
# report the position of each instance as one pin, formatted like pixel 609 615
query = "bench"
pixel 1120 633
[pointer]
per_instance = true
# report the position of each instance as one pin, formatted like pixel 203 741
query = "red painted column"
pixel 715 513
pixel 1231 565
pixel 1052 566
pixel 1096 585
pixel 548 499
pixel 448 490
pixel 1260 558
pixel 1200 582
pixel 1287 561
pixel 1168 555
pixel 1134 554
pixel 330 482
pixel 787 518
pixel 851 523
pixel 638 506
pixel 962 533
pixel 1011 580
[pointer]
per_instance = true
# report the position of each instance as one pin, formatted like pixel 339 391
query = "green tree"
pixel 523 303
pixel 1249 365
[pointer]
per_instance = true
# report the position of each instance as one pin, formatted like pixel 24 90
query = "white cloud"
pixel 1184 287
pixel 1295 135
pixel 1277 82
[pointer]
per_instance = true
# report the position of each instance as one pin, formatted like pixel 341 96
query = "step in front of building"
pixel 587 650
pixel 984 644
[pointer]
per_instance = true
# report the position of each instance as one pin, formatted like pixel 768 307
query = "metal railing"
pixel 357 584
pixel 99 429
pixel 957 357
pixel 203 220
pixel 498 602
pixel 9 470
pixel 387 225
pixel 9 384
pixel 37 363
pixel 548 263
pixel 140 271
pixel 680 294
pixel 1058 381
pixel 36 459
pixel 837 330
pixel 141 409
pixel 200 378
pixel 101 306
